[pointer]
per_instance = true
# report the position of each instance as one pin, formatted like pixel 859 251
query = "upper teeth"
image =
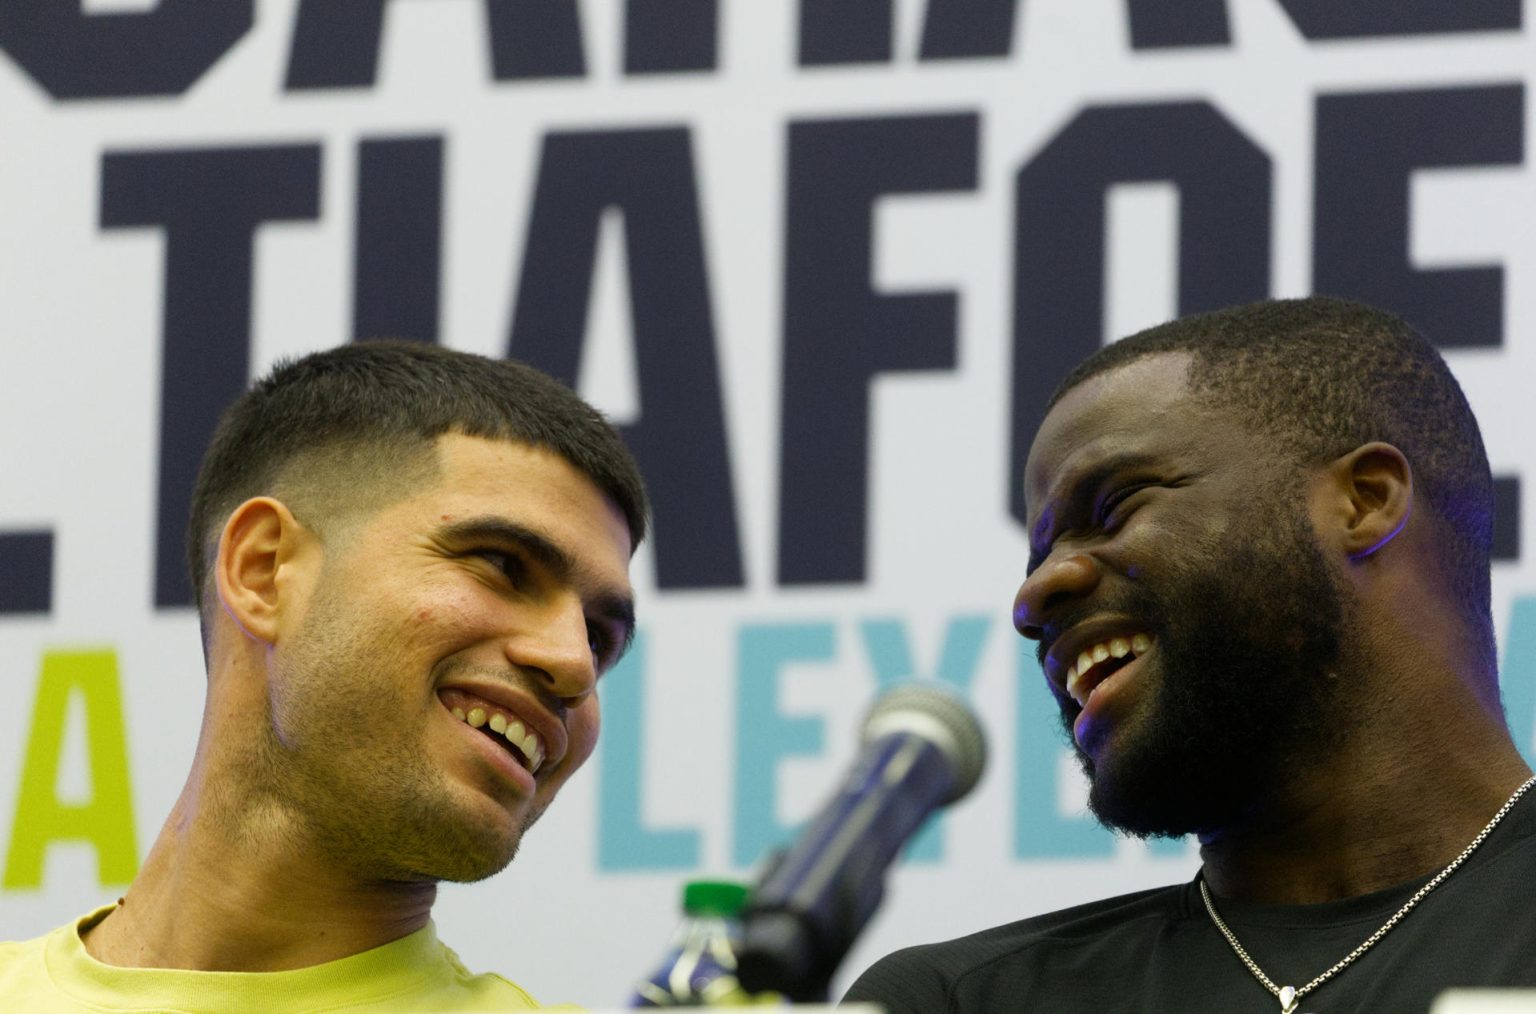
pixel 1078 684
pixel 518 734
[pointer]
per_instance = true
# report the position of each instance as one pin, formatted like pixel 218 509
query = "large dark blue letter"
pixel 1368 146
pixel 336 42
pixel 663 36
pixel 209 203
pixel 845 31
pixel 839 333
pixel 399 235
pixel 648 175
pixel 75 55
pixel 1328 19
pixel 1224 227
pixel 26 572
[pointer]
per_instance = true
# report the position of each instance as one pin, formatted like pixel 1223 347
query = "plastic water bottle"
pixel 700 968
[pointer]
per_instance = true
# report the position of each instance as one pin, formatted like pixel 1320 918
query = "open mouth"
pixel 1098 662
pixel 505 729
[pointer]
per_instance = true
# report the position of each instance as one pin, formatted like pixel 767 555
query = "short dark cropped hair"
pixel 1323 376
pixel 368 411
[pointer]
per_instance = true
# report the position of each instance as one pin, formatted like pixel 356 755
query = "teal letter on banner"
pixel 890 654
pixel 623 842
pixel 1040 831
pixel 764 735
pixel 1519 675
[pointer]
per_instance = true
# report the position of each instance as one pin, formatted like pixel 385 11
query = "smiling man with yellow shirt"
pixel 412 568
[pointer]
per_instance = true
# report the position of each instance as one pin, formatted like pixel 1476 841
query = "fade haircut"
pixel 1323 376
pixel 352 429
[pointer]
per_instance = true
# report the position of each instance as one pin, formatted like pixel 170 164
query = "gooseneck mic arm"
pixel 922 750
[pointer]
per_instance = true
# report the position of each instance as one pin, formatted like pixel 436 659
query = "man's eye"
pixel 1109 507
pixel 510 564
pixel 599 642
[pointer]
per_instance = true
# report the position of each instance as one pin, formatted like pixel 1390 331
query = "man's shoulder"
pixel 24 982
pixel 10 949
pixel 415 973
pixel 924 977
pixel 1087 921
pixel 469 990
pixel 14 951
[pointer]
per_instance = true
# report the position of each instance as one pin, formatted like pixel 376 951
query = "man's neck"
pixel 1358 825
pixel 214 901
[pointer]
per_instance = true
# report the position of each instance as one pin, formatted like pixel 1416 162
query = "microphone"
pixel 922 749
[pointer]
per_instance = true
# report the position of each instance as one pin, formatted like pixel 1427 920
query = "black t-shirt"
pixel 1157 952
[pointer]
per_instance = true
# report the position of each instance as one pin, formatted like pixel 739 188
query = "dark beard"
pixel 1248 644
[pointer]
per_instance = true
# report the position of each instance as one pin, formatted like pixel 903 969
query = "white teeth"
pixel 526 740
pixel 1117 647
pixel 1073 682
pixel 518 734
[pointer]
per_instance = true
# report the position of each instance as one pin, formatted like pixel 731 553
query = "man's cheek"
pixel 585 728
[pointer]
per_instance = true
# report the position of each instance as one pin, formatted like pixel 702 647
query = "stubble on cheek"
pixel 1244 668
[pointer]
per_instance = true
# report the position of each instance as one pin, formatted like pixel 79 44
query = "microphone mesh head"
pixel 939 716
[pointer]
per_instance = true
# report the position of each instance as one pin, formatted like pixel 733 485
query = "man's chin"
pixel 474 864
pixel 1142 822
pixel 463 854
pixel 1142 799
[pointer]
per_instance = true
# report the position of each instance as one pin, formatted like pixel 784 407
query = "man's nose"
pixel 1059 579
pixel 556 643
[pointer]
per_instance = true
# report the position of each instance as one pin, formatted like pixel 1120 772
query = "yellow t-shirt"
pixel 53 973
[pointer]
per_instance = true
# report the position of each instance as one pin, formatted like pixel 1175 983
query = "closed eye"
pixel 1109 513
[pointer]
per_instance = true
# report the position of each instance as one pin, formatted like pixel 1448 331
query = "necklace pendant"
pixel 1287 999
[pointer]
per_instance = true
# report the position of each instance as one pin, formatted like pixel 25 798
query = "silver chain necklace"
pixel 1289 996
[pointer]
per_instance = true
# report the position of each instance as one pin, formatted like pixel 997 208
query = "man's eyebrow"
pixel 615 608
pixel 497 529
pixel 1079 489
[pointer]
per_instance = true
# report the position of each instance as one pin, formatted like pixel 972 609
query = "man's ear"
pixel 260 538
pixel 1372 496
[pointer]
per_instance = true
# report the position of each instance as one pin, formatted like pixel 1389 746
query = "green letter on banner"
pixel 105 820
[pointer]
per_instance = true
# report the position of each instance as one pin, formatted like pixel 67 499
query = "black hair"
pixel 373 408
pixel 1325 375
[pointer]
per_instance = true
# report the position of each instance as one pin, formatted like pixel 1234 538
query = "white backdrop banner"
pixel 822 260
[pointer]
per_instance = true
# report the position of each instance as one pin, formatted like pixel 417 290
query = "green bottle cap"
pixel 714 897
